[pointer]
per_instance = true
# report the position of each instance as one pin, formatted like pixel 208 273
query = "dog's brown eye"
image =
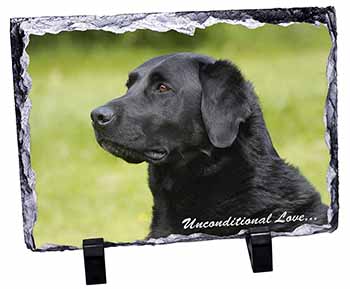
pixel 163 88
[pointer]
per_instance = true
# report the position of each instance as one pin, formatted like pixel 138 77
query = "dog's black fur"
pixel 198 124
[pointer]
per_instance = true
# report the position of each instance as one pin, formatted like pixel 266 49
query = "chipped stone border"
pixel 183 22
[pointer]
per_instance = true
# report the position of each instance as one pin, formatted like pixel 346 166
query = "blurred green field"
pixel 85 192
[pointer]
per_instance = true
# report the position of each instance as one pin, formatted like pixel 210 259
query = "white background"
pixel 318 261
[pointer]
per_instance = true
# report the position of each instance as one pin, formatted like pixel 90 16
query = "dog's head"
pixel 176 106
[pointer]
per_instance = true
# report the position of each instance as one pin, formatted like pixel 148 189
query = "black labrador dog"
pixel 212 166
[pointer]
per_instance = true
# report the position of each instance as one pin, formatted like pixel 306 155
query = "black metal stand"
pixel 259 243
pixel 94 260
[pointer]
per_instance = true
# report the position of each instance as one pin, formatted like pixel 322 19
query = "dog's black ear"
pixel 224 102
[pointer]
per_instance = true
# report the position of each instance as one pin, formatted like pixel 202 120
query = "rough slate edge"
pixel 184 22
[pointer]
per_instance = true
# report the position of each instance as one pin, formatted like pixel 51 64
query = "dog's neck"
pixel 252 144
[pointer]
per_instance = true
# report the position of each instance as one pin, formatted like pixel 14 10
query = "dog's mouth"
pixel 131 155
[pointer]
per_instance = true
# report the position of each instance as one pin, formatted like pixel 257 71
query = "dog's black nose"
pixel 102 115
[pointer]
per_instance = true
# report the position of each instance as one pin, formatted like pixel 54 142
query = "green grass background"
pixel 85 192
